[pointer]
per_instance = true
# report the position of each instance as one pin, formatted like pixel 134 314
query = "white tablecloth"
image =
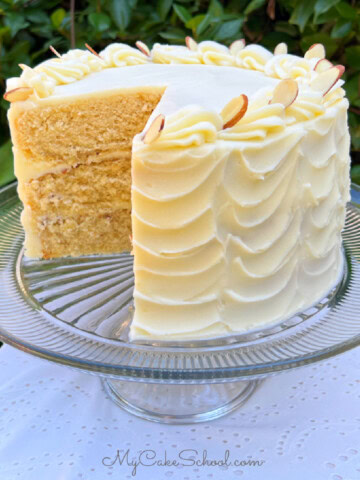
pixel 56 423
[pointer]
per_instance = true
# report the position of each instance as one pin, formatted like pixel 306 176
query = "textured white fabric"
pixel 57 423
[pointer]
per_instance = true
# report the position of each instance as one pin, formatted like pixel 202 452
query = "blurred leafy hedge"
pixel 28 28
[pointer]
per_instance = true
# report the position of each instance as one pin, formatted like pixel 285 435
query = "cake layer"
pixel 88 232
pixel 64 207
pixel 70 192
pixel 82 130
pixel 73 163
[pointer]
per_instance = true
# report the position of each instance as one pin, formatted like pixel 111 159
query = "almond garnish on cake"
pixel 315 51
pixel 327 79
pixel 91 50
pixel 322 65
pixel 143 48
pixel 54 51
pixel 237 46
pixel 191 44
pixel 234 111
pixel 154 131
pixel 281 49
pixel 285 92
pixel 18 94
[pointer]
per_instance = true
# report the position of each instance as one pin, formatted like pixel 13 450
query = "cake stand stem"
pixel 179 403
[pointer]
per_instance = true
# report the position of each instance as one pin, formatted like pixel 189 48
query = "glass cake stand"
pixel 76 312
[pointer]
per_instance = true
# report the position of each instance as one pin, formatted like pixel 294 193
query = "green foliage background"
pixel 28 28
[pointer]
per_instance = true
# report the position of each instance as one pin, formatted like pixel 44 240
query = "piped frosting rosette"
pixel 174 54
pixel 253 57
pixel 121 55
pixel 288 66
pixel 213 53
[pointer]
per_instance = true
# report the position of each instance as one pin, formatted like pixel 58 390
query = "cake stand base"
pixel 179 404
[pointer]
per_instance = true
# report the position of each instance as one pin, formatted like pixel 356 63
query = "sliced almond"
pixel 285 92
pixel 18 94
pixel 91 50
pixel 191 44
pixel 143 48
pixel 315 51
pixel 233 112
pixel 326 80
pixel 153 132
pixel 55 52
pixel 281 49
pixel 322 65
pixel 236 46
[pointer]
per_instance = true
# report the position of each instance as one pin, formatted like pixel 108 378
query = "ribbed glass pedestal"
pixel 76 312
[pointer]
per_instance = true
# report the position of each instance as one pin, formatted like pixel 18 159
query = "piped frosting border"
pixel 77 64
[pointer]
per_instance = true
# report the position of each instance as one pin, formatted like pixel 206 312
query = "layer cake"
pixel 225 170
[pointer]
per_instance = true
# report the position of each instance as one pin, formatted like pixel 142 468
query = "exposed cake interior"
pixel 73 149
pixel 82 206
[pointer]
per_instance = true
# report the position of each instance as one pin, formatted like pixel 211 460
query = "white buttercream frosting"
pixel 288 66
pixel 253 57
pixel 232 228
pixel 121 55
pixel 235 233
pixel 174 54
pixel 213 53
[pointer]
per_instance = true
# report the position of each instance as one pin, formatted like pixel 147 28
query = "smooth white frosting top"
pixel 185 84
